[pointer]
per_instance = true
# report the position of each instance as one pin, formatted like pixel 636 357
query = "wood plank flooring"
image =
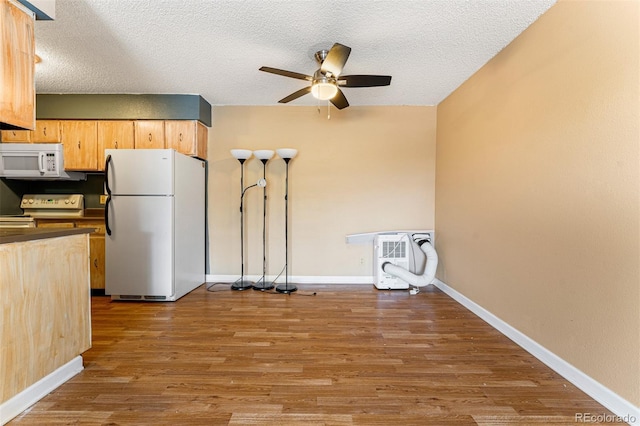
pixel 325 355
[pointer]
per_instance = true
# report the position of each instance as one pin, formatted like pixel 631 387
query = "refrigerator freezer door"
pixel 139 251
pixel 139 171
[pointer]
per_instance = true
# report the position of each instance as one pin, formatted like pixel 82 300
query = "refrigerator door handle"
pixel 106 175
pixel 106 215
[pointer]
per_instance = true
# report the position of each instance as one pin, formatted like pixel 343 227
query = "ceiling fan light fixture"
pixel 324 91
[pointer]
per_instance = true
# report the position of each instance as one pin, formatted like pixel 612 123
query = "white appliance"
pixel 395 248
pixel 17 221
pixel 53 205
pixel 155 224
pixel 40 161
pixel 43 206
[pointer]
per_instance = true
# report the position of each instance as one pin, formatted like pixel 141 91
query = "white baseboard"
pixel 297 279
pixel 605 396
pixel 25 399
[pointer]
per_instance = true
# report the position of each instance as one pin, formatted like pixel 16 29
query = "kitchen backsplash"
pixel 11 191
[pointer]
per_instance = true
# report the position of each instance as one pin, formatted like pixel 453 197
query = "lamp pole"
pixel 264 155
pixel 241 155
pixel 286 154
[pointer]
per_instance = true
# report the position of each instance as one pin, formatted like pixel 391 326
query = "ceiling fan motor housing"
pixel 321 55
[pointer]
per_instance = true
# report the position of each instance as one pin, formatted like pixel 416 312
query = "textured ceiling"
pixel 214 48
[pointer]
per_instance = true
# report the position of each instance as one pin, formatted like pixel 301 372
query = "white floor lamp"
pixel 241 155
pixel 286 154
pixel 264 155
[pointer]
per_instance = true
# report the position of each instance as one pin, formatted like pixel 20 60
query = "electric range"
pixel 35 206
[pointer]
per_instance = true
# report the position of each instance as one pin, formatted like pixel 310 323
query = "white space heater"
pixel 395 248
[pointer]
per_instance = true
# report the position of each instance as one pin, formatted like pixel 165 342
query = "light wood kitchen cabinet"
pixel 85 140
pixel 149 134
pixel 80 144
pixel 46 131
pixel 187 137
pixel 96 244
pixel 96 252
pixel 114 135
pixel 17 68
pixel 45 320
pixel 15 136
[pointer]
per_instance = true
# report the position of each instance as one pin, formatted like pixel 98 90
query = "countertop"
pixel 15 235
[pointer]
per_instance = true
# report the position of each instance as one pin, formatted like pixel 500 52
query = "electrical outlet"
pixel 103 199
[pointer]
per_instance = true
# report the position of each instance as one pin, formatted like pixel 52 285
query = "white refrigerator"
pixel 155 224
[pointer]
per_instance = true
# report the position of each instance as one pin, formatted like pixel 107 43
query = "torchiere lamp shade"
pixel 241 154
pixel 287 153
pixel 263 154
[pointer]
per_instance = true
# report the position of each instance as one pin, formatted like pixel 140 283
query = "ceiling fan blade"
pixel 339 100
pixel 286 73
pixel 335 60
pixel 295 95
pixel 364 80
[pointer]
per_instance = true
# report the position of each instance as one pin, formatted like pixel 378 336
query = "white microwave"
pixel 34 161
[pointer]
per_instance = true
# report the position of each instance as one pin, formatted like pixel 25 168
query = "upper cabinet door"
pixel 149 134
pixel 114 135
pixel 47 131
pixel 80 144
pixel 187 137
pixel 15 136
pixel 17 68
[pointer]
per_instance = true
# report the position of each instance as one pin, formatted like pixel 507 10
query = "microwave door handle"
pixel 41 156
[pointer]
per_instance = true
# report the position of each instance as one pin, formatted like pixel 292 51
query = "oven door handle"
pixel 106 215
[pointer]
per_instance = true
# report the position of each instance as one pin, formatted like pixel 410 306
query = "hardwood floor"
pixel 348 355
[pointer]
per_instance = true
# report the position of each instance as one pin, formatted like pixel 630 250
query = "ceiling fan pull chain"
pixel 328 110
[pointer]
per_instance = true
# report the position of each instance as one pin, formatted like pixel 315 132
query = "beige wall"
pixel 537 188
pixel 366 169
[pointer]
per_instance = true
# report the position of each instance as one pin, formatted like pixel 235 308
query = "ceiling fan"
pixel 327 81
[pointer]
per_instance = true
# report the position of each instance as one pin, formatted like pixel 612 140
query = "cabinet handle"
pixel 44 131
pixel 149 137
pixel 95 263
pixel 78 144
pixel 116 144
pixel 180 137
pixel 14 133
